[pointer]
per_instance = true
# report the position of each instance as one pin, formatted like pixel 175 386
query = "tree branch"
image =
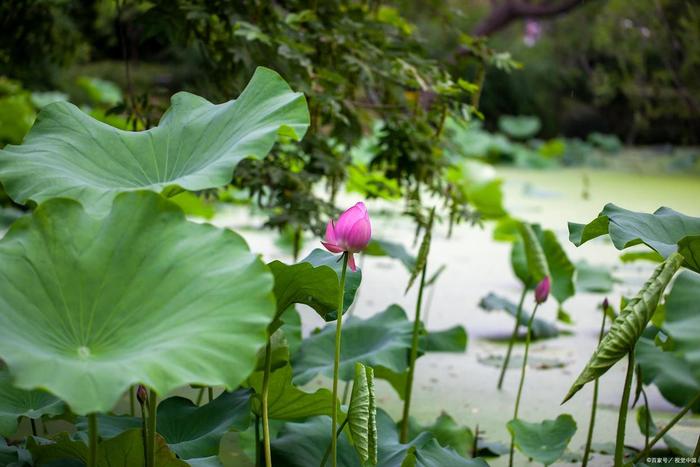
pixel 507 11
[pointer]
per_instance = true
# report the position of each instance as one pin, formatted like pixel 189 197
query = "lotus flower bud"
pixel 606 304
pixel 350 233
pixel 542 290
pixel 141 394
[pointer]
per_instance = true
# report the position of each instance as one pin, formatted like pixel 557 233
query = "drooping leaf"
pixel 670 372
pixel 195 432
pixel 287 402
pixel 545 441
pixel 196 146
pixel 689 247
pixel 683 320
pixel 125 450
pixel 94 306
pixel 629 324
pixel 537 264
pixel 453 339
pixel 596 279
pixel 15 403
pixel 319 258
pixel 378 247
pixel 560 267
pixel 541 329
pixel 362 413
pixel 661 231
pixel 448 433
pixel 645 420
pixel 382 340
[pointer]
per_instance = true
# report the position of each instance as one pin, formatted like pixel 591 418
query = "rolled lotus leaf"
pixel 362 415
pixel 629 324
pixel 536 259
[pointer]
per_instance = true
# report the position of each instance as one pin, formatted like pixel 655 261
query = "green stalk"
pixel 92 434
pixel 665 429
pixel 264 402
pixel 622 417
pixel 200 395
pixel 337 433
pixel 151 432
pixel 210 393
pixel 513 336
pixel 594 405
pixel 336 364
pixel 522 380
pixel 412 359
pixel 144 434
pixel 32 422
pixel 258 454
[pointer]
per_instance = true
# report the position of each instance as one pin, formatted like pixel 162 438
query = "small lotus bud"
pixel 606 304
pixel 542 290
pixel 142 394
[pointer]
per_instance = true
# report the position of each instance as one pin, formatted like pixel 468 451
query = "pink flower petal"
pixel 351 262
pixel 332 248
pixel 330 233
pixel 359 235
pixel 347 220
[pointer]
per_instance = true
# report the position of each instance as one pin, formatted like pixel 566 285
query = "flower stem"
pixel 151 432
pixel 594 405
pixel 518 313
pixel 665 429
pixel 336 363
pixel 622 417
pixel 523 369
pixel 92 435
pixel 412 358
pixel 264 402
pixel 210 393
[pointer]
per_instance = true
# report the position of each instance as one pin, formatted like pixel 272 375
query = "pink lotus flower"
pixel 351 233
pixel 542 290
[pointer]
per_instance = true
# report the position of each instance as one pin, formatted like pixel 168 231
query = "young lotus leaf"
pixel 541 329
pixel 94 306
pixel 670 372
pixel 319 257
pixel 195 432
pixel 543 442
pixel 125 450
pixel 362 415
pixel 661 231
pixel 286 401
pixel 382 340
pixel 629 324
pixel 683 320
pixel 15 403
pixel 197 145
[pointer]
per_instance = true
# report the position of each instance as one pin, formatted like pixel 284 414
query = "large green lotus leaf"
pixel 689 247
pixel 303 445
pixel 125 450
pixel 661 231
pixel 108 426
pixel 683 318
pixel 197 145
pixel 453 339
pixel 541 329
pixel 670 372
pixel 448 433
pixel 543 442
pixel 382 340
pixel 15 403
pixel 591 278
pixel 195 432
pixel 319 257
pixel 287 402
pixel 93 306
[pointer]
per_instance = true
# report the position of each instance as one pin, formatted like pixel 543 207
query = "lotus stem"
pixel 523 369
pixel 264 402
pixel 622 417
pixel 594 405
pixel 413 357
pixel 336 364
pixel 665 429
pixel 337 433
pixel 513 335
pixel 210 393
pixel 92 436
pixel 258 454
pixel 33 423
pixel 151 431
pixel 200 395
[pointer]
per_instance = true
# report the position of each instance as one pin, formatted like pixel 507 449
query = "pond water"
pixel 460 384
